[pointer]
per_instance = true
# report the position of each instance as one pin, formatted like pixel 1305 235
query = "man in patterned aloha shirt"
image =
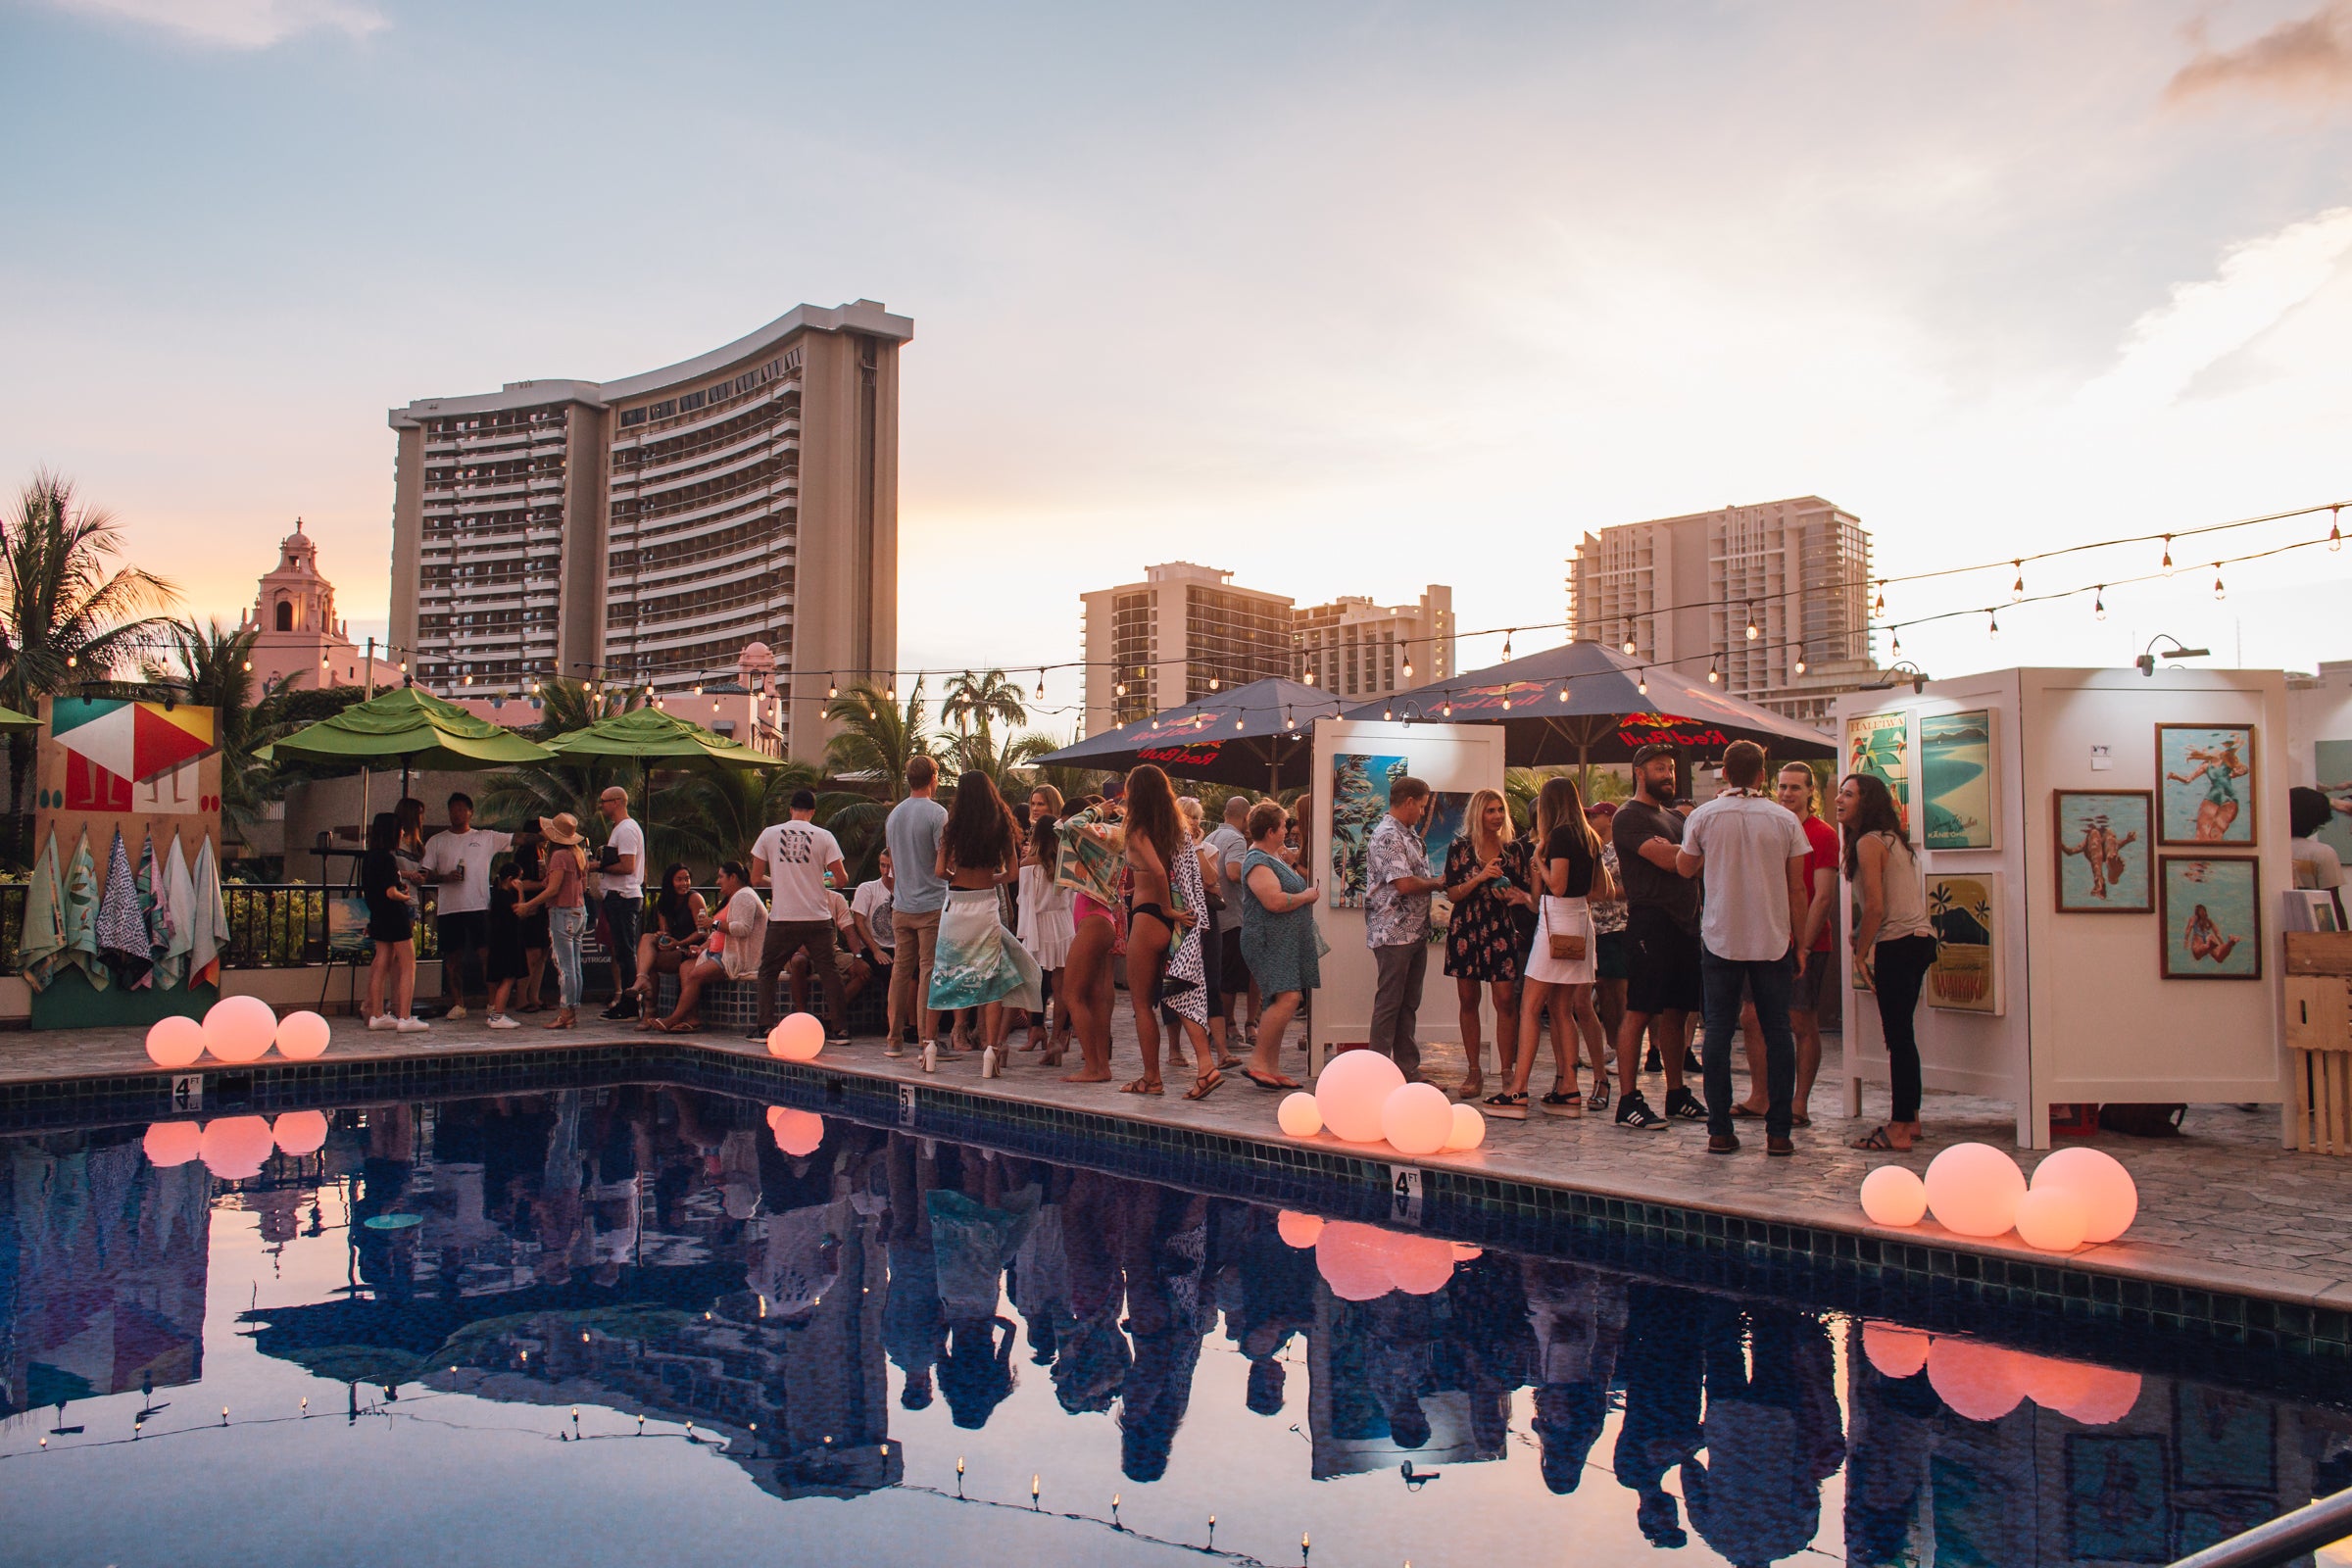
pixel 1396 922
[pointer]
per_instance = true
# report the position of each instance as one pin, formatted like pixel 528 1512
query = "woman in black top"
pixel 1567 874
pixel 391 926
pixel 530 873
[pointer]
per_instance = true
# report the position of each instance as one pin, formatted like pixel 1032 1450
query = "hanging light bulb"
pixel 1800 664
pixel 1506 641
pixel 1880 607
pixel 1385 713
pixel 2016 589
pixel 1119 690
pixel 1408 666
pixel 1288 722
pixel 1642 685
pixel 1311 674
pixel 2335 531
pixel 1992 626
pixel 1714 673
pixel 1898 640
pixel 1563 691
pixel 832 690
pixel 1506 704
pixel 467 679
pixel 1212 683
pixel 74 660
pixel 1447 710
pixel 1627 646
pixel 1752 632
pixel 2219 592
pixel 2099 603
pixel 892 695
pixel 249 667
pixel 1040 685
pixel 2168 555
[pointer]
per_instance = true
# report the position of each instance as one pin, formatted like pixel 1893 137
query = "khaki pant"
pixel 916 937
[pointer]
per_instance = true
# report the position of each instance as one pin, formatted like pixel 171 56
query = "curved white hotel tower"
pixel 644 531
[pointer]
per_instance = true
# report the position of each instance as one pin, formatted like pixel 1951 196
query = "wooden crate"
pixel 2319 1034
pixel 2319 953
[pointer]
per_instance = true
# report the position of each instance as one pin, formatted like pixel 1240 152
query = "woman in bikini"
pixel 1158 919
pixel 1091 866
pixel 2221 770
pixel 2205 940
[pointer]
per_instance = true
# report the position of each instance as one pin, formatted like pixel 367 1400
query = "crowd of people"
pixel 1650 931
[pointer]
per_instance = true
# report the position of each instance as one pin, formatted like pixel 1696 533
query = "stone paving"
pixel 2223 1207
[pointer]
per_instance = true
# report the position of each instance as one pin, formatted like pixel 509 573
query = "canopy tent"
pixel 1259 736
pixel 1582 703
pixel 408 726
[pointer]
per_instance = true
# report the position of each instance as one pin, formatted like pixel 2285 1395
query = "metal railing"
pixel 2282 1540
pixel 271 925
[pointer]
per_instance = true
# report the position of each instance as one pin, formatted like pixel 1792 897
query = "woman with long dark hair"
pixel 1160 924
pixel 980 964
pixel 1893 941
pixel 391 927
pixel 680 924
pixel 1567 873
pixel 1045 928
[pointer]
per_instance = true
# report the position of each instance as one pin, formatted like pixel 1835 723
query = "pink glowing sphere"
pixel 1296 1229
pixel 1354 1087
pixel 1419 1265
pixel 798 1132
pixel 1464 1253
pixel 2051 1219
pixel 240 1028
pixel 2110 1200
pixel 1973 1189
pixel 1896 1351
pixel 174 1042
pixel 172 1143
pixel 1299 1115
pixel 300 1132
pixel 797 1038
pixel 1417 1120
pixel 303 1036
pixel 1894 1195
pixel 235 1147
pixel 2094 1396
pixel 1981 1382
pixel 1353 1259
pixel 1469 1130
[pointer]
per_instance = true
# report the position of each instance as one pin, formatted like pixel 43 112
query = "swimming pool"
pixel 642 1322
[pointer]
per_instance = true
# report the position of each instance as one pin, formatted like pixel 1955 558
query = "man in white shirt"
pixel 620 875
pixel 798 858
pixel 457 859
pixel 870 907
pixel 1230 843
pixel 1752 852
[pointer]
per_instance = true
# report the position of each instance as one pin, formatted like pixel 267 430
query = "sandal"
pixel 1876 1141
pixel 1471 1091
pixel 1561 1103
pixel 1207 1086
pixel 1509 1106
pixel 1269 1080
pixel 1598 1099
pixel 1741 1113
pixel 1142 1086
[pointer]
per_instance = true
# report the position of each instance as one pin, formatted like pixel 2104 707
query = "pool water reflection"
pixel 643 1323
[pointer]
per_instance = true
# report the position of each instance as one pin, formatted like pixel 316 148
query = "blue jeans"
pixel 1723 982
pixel 563 930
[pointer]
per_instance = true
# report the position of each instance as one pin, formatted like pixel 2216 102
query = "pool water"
pixel 650 1323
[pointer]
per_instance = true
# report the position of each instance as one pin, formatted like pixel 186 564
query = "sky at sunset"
pixel 1343 298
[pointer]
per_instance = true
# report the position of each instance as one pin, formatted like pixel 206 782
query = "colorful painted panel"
pixel 1447 818
pixel 2333 761
pixel 1359 799
pixel 1955 779
pixel 2104 853
pixel 2206 772
pixel 1879 744
pixel 2212 915
pixel 1966 912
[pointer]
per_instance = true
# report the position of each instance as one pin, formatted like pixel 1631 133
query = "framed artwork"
pixel 1445 820
pixel 2309 909
pixel 1359 799
pixel 2119 1498
pixel 2212 914
pixel 2206 775
pixel 1879 744
pixel 1955 779
pixel 2106 859
pixel 2333 761
pixel 2225 1440
pixel 1966 912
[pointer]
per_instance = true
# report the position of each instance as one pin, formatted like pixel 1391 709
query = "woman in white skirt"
pixel 1045 929
pixel 980 964
pixel 1568 874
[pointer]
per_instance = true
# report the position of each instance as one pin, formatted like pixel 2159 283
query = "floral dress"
pixel 1485 938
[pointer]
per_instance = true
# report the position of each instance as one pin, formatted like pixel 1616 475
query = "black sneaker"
pixel 622 1007
pixel 1686 1105
pixel 1652 1063
pixel 1691 1064
pixel 1634 1112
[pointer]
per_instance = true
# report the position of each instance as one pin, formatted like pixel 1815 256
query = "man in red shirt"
pixel 1795 787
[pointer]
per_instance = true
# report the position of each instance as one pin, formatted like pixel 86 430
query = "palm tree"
pixel 877 738
pixel 216 670
pixel 67 612
pixel 978 753
pixel 567 784
pixel 712 815
pixel 971 701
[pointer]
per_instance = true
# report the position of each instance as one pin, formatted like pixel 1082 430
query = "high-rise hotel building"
pixel 646 531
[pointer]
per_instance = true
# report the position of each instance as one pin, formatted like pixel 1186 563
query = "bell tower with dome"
pixel 296 634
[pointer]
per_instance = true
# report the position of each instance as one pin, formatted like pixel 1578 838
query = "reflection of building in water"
pixel 102 1269
pixel 2189 1465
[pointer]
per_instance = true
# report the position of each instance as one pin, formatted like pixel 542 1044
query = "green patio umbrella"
pixel 10 720
pixel 652 735
pixel 411 727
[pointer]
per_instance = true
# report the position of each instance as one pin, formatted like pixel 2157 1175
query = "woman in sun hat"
pixel 564 897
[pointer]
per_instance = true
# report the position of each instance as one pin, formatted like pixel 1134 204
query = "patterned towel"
pixel 122 925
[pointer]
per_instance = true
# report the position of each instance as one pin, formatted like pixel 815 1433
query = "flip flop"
pixel 1269 1081
pixel 1207 1086
pixel 1877 1140
pixel 1741 1113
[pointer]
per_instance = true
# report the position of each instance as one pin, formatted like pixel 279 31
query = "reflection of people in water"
pixel 1577 1319
pixel 1894 1428
pixel 1772 1433
pixel 2102 852
pixel 2221 770
pixel 2205 940
pixel 1659 1362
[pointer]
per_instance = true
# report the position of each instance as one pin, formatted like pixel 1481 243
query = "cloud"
pixel 2257 284
pixel 237 23
pixel 2310 57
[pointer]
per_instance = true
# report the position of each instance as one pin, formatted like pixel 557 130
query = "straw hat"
pixel 561 828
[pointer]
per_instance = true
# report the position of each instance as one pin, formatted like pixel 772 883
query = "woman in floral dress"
pixel 1486 881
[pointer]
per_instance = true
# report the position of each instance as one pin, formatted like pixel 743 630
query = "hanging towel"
pixel 122 925
pixel 151 906
pixel 43 943
pixel 81 915
pixel 176 904
pixel 209 935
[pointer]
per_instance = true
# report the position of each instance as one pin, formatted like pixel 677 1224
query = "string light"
pixel 1899 639
pixel 1385 713
pixel 1880 608
pixel 1408 666
pixel 1040 685
pixel 1992 626
pixel 1627 646
pixel 1448 708
pixel 1506 643
pixel 1642 685
pixel 2335 533
pixel 2219 592
pixel 892 695
pixel 1563 691
pixel 2098 604
pixel 1752 632
pixel 1714 672
pixel 2168 555
pixel 1800 664
pixel 2016 589
pixel 1311 674
pixel 1213 685
pixel 1119 690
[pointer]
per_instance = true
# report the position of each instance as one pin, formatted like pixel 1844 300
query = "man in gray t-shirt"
pixel 1229 844
pixel 918 894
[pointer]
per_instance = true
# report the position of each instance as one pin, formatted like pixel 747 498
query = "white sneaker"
pixel 499 1020
pixel 382 1020
pixel 412 1026
pixel 455 1013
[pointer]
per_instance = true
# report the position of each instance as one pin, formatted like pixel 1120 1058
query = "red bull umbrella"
pixel 1259 736
pixel 1583 703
